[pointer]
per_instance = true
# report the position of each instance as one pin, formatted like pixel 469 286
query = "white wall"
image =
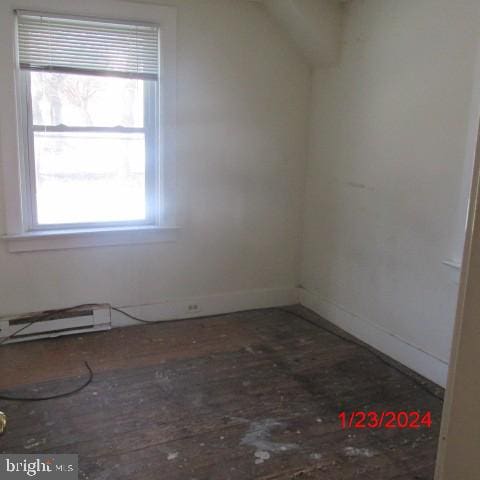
pixel 241 146
pixel 313 25
pixel 388 148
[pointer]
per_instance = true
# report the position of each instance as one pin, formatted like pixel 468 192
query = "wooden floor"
pixel 252 395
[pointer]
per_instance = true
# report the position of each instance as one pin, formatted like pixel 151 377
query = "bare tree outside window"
pixel 81 156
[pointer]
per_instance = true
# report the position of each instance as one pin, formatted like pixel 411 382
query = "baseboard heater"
pixel 66 323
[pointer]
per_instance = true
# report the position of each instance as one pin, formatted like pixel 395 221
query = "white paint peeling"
pixel 258 436
pixel 32 443
pixel 261 456
pixel 359 452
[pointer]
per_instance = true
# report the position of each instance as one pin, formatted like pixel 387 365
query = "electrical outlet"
pixel 193 308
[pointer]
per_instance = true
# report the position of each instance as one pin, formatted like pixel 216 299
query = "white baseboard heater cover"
pixel 78 321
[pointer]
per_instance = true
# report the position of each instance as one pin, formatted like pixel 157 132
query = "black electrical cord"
pixel 46 315
pixel 133 317
pixel 371 350
pixel 87 382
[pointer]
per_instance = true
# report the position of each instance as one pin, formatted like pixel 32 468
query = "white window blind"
pixel 51 42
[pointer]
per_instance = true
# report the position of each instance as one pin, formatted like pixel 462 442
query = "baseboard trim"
pixel 422 362
pixel 207 305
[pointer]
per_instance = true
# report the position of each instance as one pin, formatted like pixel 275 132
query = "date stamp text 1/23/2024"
pixel 389 420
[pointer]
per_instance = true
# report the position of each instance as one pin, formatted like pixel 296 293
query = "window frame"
pixel 16 233
pixel 149 129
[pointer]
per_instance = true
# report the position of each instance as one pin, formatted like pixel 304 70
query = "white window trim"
pixel 18 236
pixel 89 237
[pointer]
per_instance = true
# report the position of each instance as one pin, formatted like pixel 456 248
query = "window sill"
pixel 92 237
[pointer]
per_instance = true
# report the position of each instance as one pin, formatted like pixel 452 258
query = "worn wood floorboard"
pixel 252 395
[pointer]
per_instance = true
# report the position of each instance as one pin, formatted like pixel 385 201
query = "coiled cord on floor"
pixel 14 398
pixel 47 315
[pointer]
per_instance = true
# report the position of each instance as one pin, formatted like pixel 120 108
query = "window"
pixel 87 140
pixel 90 127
